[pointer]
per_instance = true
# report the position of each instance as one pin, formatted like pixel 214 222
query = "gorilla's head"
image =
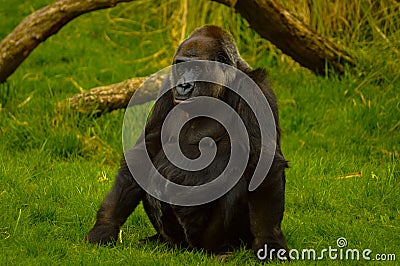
pixel 208 43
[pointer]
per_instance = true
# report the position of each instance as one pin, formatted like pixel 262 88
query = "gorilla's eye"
pixel 181 60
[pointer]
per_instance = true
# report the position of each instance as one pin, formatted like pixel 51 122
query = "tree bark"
pixel 292 36
pixel 116 96
pixel 40 25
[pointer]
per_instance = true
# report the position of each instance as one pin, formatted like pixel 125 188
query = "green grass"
pixel 55 172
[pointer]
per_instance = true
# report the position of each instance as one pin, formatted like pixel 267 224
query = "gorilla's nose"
pixel 185 88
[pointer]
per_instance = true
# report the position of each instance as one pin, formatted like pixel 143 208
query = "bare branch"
pixel 292 36
pixel 40 25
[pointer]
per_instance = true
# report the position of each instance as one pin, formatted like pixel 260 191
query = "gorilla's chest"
pixel 185 224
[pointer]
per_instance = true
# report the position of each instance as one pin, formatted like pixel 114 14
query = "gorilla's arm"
pixel 126 194
pixel 266 203
pixel 119 203
pixel 266 207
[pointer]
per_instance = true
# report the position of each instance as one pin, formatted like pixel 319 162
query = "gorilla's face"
pixel 187 70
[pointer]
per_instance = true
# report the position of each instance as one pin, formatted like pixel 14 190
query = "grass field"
pixel 341 135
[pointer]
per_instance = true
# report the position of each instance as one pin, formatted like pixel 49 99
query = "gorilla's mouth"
pixel 183 91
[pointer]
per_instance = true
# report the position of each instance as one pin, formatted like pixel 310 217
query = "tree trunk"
pixel 293 37
pixel 40 25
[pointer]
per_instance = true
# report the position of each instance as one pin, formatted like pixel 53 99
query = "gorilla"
pixel 240 216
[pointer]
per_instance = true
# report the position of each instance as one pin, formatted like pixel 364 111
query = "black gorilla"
pixel 238 217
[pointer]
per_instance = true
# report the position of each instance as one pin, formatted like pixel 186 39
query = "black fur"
pixel 240 216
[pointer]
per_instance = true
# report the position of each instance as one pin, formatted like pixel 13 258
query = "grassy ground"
pixel 54 172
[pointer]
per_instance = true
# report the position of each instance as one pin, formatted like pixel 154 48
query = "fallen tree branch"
pixel 116 96
pixel 40 25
